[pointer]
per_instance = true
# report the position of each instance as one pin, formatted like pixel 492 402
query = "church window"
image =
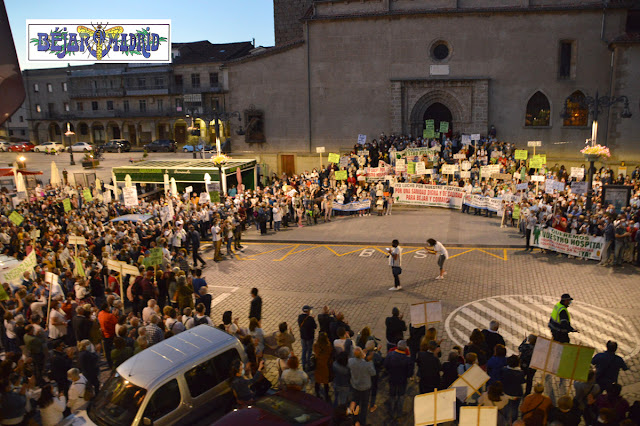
pixel 538 111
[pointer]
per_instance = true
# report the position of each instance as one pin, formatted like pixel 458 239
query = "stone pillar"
pixel 396 107
pixel 154 130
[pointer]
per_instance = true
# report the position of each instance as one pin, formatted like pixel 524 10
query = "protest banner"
pixel 459 156
pixel 16 218
pixel 341 175
pixel 66 203
pixel 478 416
pixel 444 126
pixel 362 139
pixel 449 169
pixel 475 136
pixel 27 264
pixel 426 313
pixel 537 178
pixel 420 168
pixel 522 186
pixel 429 195
pixel 466 140
pixel 472 380
pixel 130 194
pixel 577 172
pixel 333 158
pixel 579 187
pixel 86 195
pixel 353 207
pixel 77 240
pixel 376 173
pixel 564 360
pixel 580 245
pixel 433 408
pixel 521 154
pixel 106 196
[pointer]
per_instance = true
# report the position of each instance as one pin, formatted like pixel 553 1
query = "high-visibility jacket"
pixel 555 316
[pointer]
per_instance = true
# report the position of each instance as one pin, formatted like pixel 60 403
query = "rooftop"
pixel 204 51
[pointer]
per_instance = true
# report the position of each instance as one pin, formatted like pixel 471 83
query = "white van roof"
pixel 169 356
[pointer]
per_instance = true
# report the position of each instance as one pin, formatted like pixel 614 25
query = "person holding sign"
pixel 395 261
pixel 560 321
pixel 436 247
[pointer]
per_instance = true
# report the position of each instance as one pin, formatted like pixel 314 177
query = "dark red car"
pixel 21 146
pixel 281 408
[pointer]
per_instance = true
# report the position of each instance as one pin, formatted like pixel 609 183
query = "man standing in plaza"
pixel 255 311
pixel 608 366
pixel 395 261
pixel 307 333
pixel 216 239
pixel 399 365
pixel 560 321
pixel 361 370
pixel 436 247
pixel 529 227
pixel 195 246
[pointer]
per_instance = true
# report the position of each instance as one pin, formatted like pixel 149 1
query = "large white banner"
pixel 428 195
pixel 352 207
pixel 584 246
pixel 27 264
pixel 130 194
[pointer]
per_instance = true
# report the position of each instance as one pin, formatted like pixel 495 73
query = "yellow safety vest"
pixel 555 314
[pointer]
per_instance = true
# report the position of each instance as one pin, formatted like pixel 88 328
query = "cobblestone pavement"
pixel 507 284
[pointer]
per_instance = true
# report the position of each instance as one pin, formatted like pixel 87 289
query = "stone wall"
pixel 624 133
pixel 286 19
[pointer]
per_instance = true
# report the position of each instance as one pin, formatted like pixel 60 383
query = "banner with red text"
pixel 428 195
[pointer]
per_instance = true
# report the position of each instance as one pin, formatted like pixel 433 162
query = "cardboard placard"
pixel 16 218
pixel 537 178
pixel 319 149
pixel 465 175
pixel 521 154
pixel 577 172
pixel 466 140
pixel 341 175
pixel 66 203
pixel 459 156
pixel 475 136
pixel 86 194
pixel 426 313
pixel 333 158
pixel 472 380
pixel 522 186
pixel 130 195
pixel 362 139
pixel 534 143
pixel 465 165
pixel 478 416
pixel 449 169
pixel 579 187
pixel 562 359
pixel 77 240
pixel 435 407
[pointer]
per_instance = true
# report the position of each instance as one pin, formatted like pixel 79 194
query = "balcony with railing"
pixel 189 89
pixel 90 92
pixel 161 89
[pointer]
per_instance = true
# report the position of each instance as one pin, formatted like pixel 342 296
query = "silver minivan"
pixel 179 381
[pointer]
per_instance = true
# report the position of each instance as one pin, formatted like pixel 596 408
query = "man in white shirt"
pixel 148 311
pixel 395 261
pixel 436 247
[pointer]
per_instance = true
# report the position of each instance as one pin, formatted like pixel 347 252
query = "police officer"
pixel 560 322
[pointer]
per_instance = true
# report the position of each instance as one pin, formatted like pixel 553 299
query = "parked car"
pixel 117 145
pixel 162 145
pixel 281 408
pixel 81 147
pixel 200 147
pixel 181 380
pixel 4 146
pixel 21 146
pixel 48 147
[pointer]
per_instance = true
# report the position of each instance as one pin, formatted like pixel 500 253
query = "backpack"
pixel 88 392
pixel 199 321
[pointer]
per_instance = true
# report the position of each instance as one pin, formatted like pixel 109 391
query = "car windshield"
pixel 288 410
pixel 117 402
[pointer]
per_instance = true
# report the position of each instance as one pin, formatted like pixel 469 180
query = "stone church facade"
pixel 346 67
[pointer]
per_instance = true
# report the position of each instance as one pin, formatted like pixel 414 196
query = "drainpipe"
pixel 309 86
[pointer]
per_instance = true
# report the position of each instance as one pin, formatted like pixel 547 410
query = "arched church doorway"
pixel 438 113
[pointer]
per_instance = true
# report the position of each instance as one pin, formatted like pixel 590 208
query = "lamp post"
pixel 595 105
pixel 68 134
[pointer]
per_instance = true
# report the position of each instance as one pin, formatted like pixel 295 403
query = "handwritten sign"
pixel 534 143
pixel 466 140
pixel 478 416
pixel 459 156
pixel 579 187
pixel 537 178
pixel 475 136
pixel 472 380
pixel 86 194
pixel 426 313
pixel 362 139
pixel 77 240
pixel 450 169
pixel 130 195
pixel 562 359
pixel 535 162
pixel 16 218
pixel 444 126
pixel 577 172
pixel 435 407
pixel 66 203
pixel 319 149
pixel 334 158
pixel 521 154
pixel 341 175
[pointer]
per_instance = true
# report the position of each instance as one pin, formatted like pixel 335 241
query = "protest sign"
pixel 435 407
pixel 352 207
pixel 319 149
pixel 333 158
pixel 79 267
pixel 537 178
pixel 534 143
pixel 478 416
pixel 580 245
pixel 3 294
pixel 67 205
pixel 106 196
pixel 516 212
pixel 420 168
pixel 444 126
pixel 535 162
pixel 549 186
pixel 344 162
pixel 449 169
pixel 341 175
pixel 376 173
pixel 502 176
pixel 362 139
pixel 466 140
pixel 579 187
pixel 475 136
pixel 487 171
pixel 522 186
pixel 188 190
pixel 447 196
pixel 401 165
pixel 86 195
pixel 426 313
pixel 428 133
pixel 215 196
pixel 16 218
pixel 496 154
pixel 465 165
pixel 521 154
pixel 559 186
pixel 123 268
pixel 130 195
pixel 430 124
pixel 411 168
pixel 363 152
pixel 562 359
pixel 459 156
pixel 156 256
pixel 425 134
pixel 577 172
pixel 465 175
pixel 77 240
pixel 27 264
pixel 472 380
pixel 204 198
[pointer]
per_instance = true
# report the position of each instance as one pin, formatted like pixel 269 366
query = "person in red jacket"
pixel 108 321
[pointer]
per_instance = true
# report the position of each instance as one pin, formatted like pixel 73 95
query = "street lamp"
pixel 68 134
pixel 22 162
pixel 595 105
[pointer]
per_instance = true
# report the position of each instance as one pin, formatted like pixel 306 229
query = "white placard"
pixel 459 156
pixel 534 143
pixel 106 196
pixel 522 186
pixel 449 169
pixel 204 198
pixel 465 165
pixel 559 186
pixel 478 416
pixel 475 136
pixel 426 313
pixel 466 140
pixel 77 240
pixel 188 189
pixel 319 149
pixel 472 379
pixel 537 178
pixel 577 172
pixel 420 169
pixel 130 195
pixel 549 186
pixel 546 355
pixel 579 187
pixel 362 139
pixel 465 175
pixel 436 407
pixel 50 277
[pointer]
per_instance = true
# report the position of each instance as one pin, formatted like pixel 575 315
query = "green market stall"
pixel 189 173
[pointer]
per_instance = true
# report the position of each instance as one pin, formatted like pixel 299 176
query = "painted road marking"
pixel 520 315
pixel 366 252
pixel 219 299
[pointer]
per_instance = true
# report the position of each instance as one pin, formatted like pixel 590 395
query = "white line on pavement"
pixel 219 299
